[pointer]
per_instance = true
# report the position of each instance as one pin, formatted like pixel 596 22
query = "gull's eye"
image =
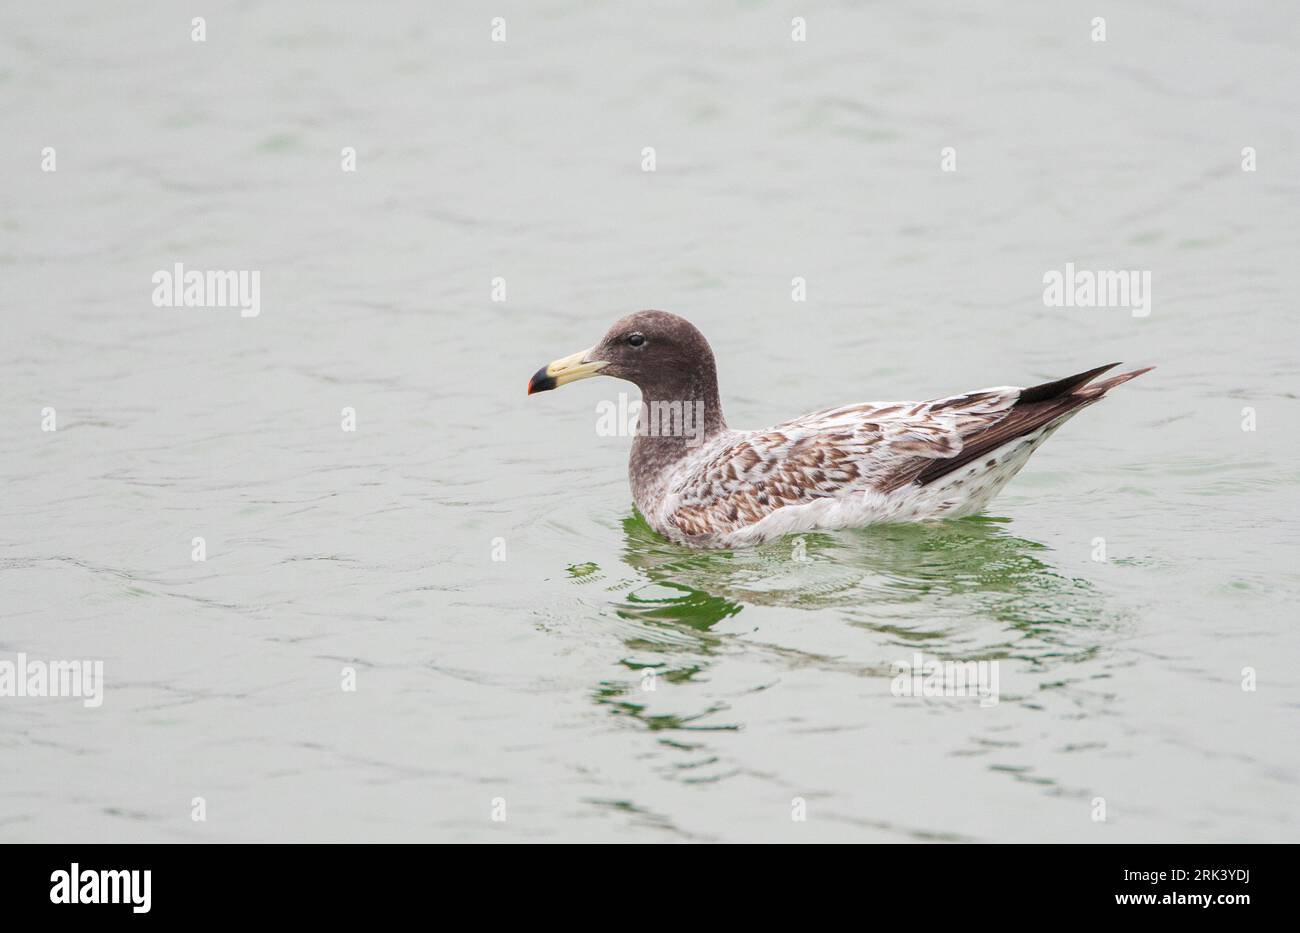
pixel 636 339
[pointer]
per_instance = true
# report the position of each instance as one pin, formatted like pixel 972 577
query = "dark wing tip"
pixel 1035 408
pixel 1050 390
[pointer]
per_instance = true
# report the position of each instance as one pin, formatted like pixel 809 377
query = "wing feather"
pixel 875 446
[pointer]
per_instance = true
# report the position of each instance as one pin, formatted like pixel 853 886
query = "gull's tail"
pixel 1045 405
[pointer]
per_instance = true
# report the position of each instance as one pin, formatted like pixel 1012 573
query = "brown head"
pixel 664 355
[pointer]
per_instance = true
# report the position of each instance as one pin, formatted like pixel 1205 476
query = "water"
pixel 522 679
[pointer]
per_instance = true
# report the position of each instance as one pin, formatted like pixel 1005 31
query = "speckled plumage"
pixel 841 467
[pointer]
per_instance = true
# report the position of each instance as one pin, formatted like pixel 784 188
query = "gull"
pixel 702 484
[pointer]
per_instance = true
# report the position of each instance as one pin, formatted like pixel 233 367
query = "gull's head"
pixel 643 348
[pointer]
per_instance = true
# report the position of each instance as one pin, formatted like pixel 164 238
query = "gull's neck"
pixel 679 416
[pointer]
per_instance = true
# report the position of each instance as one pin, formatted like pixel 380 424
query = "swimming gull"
pixel 702 484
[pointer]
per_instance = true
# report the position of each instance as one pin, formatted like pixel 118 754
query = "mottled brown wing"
pixel 832 453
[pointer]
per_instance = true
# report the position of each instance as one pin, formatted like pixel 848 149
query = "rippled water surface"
pixel 522 679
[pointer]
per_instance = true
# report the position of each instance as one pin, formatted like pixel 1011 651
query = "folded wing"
pixel 877 446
